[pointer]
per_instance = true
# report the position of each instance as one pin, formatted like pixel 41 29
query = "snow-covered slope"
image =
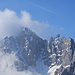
pixel 53 57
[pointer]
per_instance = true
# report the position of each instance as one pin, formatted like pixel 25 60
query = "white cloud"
pixel 7 66
pixel 10 22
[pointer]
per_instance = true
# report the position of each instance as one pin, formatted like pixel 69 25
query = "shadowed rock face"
pixel 69 70
pixel 26 44
pixel 29 48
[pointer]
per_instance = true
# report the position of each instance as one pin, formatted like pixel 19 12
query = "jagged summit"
pixel 48 57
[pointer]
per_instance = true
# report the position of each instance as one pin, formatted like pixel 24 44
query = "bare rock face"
pixel 62 53
pixel 29 48
pixel 26 44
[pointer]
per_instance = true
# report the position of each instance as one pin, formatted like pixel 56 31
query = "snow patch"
pixel 52 70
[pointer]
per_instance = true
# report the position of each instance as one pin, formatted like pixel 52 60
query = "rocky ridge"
pixel 58 53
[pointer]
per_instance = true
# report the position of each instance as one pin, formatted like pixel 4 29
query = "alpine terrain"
pixel 46 57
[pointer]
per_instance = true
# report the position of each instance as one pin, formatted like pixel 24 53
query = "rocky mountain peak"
pixel 30 48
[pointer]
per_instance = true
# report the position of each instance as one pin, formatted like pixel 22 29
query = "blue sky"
pixel 59 14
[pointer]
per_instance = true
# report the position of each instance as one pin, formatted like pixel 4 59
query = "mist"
pixel 7 66
pixel 11 23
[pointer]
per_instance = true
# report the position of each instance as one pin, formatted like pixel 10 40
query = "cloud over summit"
pixel 10 22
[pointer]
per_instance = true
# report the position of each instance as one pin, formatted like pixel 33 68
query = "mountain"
pixel 47 57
